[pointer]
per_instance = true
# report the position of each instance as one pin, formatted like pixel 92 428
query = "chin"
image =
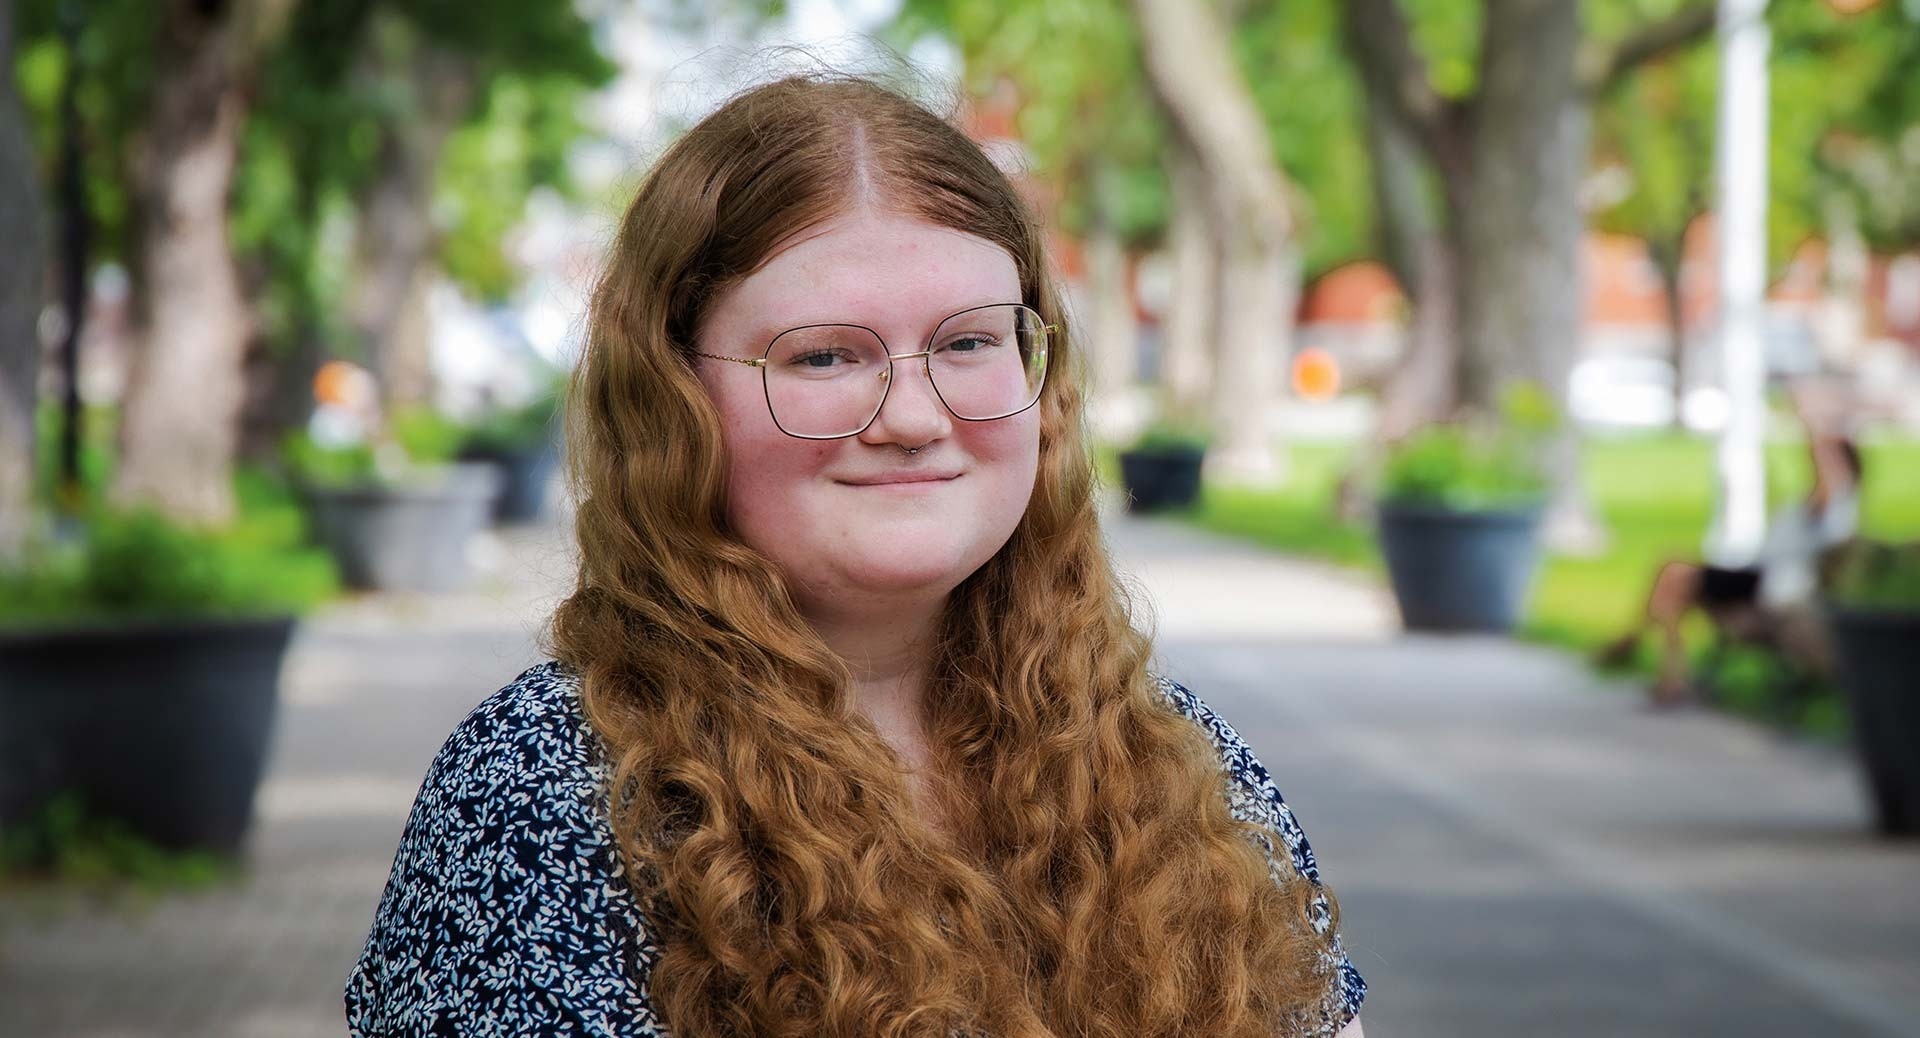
pixel 914 567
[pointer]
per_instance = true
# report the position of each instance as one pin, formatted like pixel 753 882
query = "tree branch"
pixel 1395 75
pixel 1603 66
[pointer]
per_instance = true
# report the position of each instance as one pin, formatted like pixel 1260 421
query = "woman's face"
pixel 833 514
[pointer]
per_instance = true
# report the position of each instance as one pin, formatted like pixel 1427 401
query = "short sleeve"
pixel 499 916
pixel 1255 798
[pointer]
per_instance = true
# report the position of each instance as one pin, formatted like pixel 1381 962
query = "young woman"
pixel 846 730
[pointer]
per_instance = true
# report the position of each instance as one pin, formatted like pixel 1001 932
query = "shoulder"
pixel 506 888
pixel 530 726
pixel 1255 798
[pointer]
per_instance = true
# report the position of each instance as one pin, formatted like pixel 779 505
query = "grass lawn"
pixel 1655 494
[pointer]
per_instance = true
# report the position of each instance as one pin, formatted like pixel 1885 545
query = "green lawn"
pixel 1655 494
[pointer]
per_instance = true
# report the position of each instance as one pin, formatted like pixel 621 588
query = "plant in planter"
pixel 139 667
pixel 1161 471
pixel 1459 515
pixel 1873 614
pixel 397 515
pixel 522 443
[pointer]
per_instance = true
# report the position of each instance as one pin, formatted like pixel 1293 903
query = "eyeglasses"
pixel 828 381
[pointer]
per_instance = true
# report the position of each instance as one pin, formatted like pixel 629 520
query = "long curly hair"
pixel 1086 877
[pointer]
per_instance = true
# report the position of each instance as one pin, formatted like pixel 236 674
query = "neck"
pixel 887 654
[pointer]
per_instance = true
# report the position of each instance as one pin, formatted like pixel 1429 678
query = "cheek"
pixel 1009 455
pixel 768 481
pixel 765 467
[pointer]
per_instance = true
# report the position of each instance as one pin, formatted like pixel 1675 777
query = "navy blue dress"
pixel 507 911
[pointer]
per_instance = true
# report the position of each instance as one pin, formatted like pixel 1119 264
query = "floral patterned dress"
pixel 507 912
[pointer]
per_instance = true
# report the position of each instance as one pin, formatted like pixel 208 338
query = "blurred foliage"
pixel 417 437
pixel 122 564
pixel 139 564
pixel 1166 434
pixel 98 424
pixel 113 56
pixel 1657 130
pixel 312 144
pixel 70 844
pixel 1471 465
pixel 312 463
pixel 1842 93
pixel 1085 116
pixel 507 430
pixel 1870 147
pixel 1093 130
pixel 1655 494
pixel 428 437
pixel 1291 51
pixel 1462 466
pixel 1876 575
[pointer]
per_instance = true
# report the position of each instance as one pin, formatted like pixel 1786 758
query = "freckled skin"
pixel 851 549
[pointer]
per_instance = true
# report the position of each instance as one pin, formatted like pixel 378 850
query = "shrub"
pixel 507 430
pixel 1875 575
pixel 1468 465
pixel 428 437
pixel 1168 434
pixel 140 564
pixel 418 437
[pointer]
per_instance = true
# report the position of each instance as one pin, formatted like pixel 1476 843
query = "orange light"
pixel 340 383
pixel 1316 375
pixel 1852 6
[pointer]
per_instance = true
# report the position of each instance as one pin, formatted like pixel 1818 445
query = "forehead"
pixel 892 273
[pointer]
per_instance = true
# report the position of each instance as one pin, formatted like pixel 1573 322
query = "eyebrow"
pixel 763 332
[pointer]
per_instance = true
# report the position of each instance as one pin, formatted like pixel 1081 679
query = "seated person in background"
pixel 1784 575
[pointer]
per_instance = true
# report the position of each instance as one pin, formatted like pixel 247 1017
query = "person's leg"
pixel 1675 591
pixel 1673 587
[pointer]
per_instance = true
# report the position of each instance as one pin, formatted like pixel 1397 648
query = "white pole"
pixel 1739 524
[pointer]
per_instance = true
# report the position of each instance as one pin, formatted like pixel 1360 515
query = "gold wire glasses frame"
pixel 821 389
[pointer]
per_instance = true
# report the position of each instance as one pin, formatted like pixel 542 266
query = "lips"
pixel 892 478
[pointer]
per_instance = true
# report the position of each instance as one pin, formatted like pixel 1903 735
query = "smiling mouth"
pixel 904 479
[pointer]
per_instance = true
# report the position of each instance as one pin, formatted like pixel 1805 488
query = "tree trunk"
pixel 183 401
pixel 1521 302
pixel 279 392
pixel 1187 354
pixel 1667 257
pixel 1115 333
pixel 1192 72
pixel 22 281
pixel 396 235
pixel 1522 306
pixel 1420 389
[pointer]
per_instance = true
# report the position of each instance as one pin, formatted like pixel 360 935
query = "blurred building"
pixel 1624 374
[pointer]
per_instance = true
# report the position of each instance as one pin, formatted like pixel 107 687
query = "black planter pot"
pixel 1459 569
pixel 165 725
pixel 410 537
pixel 1877 660
pixel 524 474
pixel 1161 478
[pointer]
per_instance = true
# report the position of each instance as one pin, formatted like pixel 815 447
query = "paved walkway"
pixel 1517 848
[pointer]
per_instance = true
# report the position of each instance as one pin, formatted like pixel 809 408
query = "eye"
pixel 820 360
pixel 971 344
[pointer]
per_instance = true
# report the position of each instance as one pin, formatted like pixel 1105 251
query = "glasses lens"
pixel 827 380
pixel 990 362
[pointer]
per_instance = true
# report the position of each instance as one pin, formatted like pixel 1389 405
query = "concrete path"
pixel 1516 847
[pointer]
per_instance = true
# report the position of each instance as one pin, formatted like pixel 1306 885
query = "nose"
pixel 912 413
